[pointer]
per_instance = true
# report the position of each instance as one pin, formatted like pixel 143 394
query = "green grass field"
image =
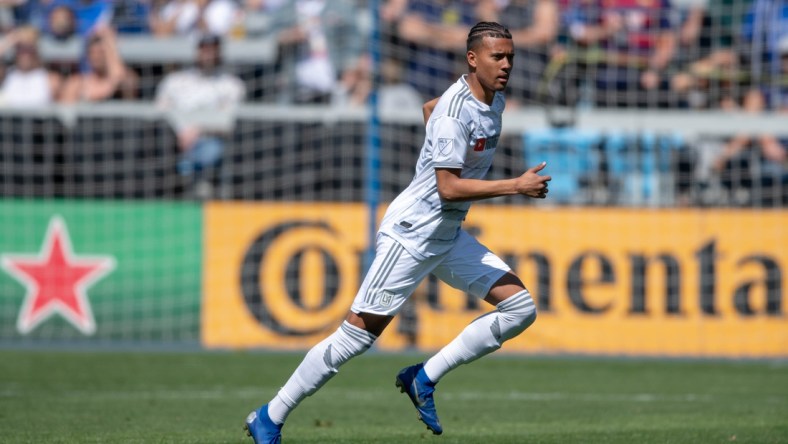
pixel 158 397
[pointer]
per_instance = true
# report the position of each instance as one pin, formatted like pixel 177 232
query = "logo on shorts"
pixel 386 297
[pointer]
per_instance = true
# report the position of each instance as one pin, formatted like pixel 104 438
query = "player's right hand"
pixel 532 184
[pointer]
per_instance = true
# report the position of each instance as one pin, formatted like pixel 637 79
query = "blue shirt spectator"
pixel 764 26
pixel 131 16
pixel 87 13
pixel 32 12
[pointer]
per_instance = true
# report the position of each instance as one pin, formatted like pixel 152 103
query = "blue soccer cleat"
pixel 419 389
pixel 260 427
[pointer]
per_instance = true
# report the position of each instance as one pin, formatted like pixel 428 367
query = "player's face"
pixel 493 59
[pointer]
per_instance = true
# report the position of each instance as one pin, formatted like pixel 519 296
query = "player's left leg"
pixel 514 312
pixel 471 267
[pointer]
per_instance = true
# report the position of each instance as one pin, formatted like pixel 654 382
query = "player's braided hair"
pixel 486 29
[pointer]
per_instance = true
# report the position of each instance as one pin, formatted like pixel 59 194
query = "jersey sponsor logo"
pixel 444 146
pixel 485 143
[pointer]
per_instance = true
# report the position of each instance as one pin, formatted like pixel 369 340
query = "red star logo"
pixel 56 280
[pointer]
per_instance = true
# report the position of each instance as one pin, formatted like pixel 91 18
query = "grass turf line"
pixel 139 397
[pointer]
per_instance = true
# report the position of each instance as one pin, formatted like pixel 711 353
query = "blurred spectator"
pixel 63 19
pixel 87 15
pixel 760 162
pixel 757 163
pixel 765 27
pixel 207 88
pixel 187 17
pixel 320 43
pixel 710 66
pixel 28 83
pixel 638 43
pixel 534 28
pixel 104 76
pixel 7 16
pixel 394 92
pixel 131 16
pixel 31 13
pixel 392 10
pixel 60 22
pixel 354 84
pixel 257 15
pixel 91 14
pixel 264 5
pixel 436 31
pixel 389 16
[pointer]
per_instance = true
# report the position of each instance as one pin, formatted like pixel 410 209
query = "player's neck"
pixel 481 93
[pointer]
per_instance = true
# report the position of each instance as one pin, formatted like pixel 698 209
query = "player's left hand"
pixel 531 184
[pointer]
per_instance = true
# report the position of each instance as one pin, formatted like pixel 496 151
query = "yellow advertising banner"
pixel 607 281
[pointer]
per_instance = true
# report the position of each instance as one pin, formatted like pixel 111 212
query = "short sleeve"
pixel 450 139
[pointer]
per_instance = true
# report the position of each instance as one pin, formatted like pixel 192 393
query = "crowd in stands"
pixel 608 53
pixel 678 54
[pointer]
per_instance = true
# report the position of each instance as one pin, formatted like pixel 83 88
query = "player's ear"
pixel 471 57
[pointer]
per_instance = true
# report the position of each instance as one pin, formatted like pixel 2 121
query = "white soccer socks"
pixel 484 335
pixel 320 364
pixel 481 337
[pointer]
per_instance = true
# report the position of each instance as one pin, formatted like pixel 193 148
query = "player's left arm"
pixel 454 188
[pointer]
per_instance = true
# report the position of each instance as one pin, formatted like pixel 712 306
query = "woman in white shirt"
pixel 27 83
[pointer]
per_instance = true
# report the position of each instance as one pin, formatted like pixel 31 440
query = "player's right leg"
pixel 391 279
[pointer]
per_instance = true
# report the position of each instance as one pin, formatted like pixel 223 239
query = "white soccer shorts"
pixel 394 275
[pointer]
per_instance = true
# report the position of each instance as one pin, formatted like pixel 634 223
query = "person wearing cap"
pixel 205 87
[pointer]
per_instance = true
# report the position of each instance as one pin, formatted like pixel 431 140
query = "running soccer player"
pixel 421 233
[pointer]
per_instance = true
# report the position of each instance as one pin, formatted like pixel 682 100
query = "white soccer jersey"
pixel 462 133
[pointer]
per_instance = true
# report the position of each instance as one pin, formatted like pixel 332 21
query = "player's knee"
pixel 518 324
pixel 324 359
pixel 519 312
pixel 528 319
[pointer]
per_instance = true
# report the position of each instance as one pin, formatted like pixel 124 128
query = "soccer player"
pixel 421 233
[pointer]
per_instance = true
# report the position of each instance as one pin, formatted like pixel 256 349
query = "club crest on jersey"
pixel 386 297
pixel 444 146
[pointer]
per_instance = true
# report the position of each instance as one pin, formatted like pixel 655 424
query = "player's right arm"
pixel 428 107
pixel 453 188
